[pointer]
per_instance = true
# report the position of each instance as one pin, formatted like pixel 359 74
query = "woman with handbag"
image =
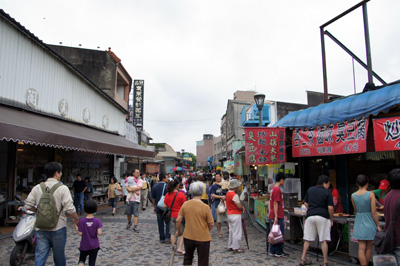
pixel 173 201
pixel 114 189
pixel 367 221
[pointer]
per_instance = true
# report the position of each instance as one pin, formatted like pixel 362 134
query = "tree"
pixel 194 159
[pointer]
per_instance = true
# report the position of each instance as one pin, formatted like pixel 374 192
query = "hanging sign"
pixel 387 134
pixel 138 100
pixel 341 138
pixel 264 145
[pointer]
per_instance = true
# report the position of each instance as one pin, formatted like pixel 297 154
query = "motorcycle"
pixel 24 236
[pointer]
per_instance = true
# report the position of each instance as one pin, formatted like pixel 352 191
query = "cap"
pixel 234 183
pixel 384 184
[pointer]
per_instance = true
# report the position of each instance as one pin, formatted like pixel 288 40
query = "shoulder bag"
pixel 167 213
pixel 117 192
pixel 384 241
pixel 160 203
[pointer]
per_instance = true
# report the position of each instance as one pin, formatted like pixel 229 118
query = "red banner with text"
pixel 265 145
pixel 341 138
pixel 387 134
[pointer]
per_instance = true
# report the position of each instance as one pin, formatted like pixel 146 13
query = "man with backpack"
pixel 51 201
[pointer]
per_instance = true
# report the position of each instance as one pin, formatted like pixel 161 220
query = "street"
pixel 125 247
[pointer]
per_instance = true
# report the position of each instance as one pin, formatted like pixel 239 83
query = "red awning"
pixel 36 129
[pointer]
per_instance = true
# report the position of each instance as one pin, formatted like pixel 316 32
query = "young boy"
pixel 89 228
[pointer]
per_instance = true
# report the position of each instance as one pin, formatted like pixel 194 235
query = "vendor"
pixel 382 190
pixel 337 202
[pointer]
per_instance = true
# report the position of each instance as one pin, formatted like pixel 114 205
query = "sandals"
pixel 305 262
pixel 229 249
pixel 238 251
pixel 180 253
pixel 220 235
pixel 325 264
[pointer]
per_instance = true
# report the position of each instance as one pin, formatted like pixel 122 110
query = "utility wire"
pixel 182 121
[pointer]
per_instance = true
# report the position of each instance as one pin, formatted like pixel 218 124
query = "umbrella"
pixel 177 168
pixel 245 232
pixel 171 261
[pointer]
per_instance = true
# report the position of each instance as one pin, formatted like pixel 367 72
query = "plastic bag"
pixel 221 207
pixel 275 235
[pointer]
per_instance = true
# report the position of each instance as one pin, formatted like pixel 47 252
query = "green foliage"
pixel 194 158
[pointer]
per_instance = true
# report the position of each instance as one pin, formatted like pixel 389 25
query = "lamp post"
pixel 259 99
pixel 139 132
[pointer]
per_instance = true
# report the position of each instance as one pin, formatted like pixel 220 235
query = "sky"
pixel 194 54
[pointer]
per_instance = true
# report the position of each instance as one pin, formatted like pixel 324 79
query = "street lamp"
pixel 139 132
pixel 259 99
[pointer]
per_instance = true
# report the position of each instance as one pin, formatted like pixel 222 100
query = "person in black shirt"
pixel 79 187
pixel 319 204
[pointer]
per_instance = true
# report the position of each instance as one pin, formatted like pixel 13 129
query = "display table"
pixel 261 210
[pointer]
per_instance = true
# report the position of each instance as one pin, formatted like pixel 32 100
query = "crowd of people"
pixel 196 202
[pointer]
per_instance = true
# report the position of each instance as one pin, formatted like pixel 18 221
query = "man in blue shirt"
pixel 217 194
pixel 157 192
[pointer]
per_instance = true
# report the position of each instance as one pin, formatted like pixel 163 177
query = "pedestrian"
pixel 277 214
pixel 89 228
pixel 390 209
pixel 54 238
pixel 111 193
pixel 89 189
pixel 178 199
pixel 235 209
pixel 319 203
pixel 144 191
pixel 218 195
pixel 205 196
pixel 133 186
pixel 367 220
pixel 79 187
pixel 198 224
pixel 158 191
pixel 337 202
pixel 123 185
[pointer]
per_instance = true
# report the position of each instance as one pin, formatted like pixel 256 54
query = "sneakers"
pixel 283 255
pixel 135 229
pixel 272 254
pixel 128 225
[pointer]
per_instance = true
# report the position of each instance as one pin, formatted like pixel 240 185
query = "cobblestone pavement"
pixel 126 247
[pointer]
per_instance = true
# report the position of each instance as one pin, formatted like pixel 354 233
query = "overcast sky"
pixel 194 54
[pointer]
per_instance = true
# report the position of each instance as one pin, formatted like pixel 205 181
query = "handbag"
pixel 384 241
pixel 221 207
pixel 275 235
pixel 160 203
pixel 167 213
pixel 117 192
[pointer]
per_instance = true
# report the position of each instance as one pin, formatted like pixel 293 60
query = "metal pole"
pixel 367 43
pixel 260 117
pixel 324 64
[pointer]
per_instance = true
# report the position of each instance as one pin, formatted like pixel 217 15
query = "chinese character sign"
pixel 138 96
pixel 387 134
pixel 264 145
pixel 342 138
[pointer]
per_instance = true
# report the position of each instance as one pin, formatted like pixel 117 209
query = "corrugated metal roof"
pixel 354 106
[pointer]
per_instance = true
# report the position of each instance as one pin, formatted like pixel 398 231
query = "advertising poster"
pixel 387 134
pixel 265 145
pixel 341 138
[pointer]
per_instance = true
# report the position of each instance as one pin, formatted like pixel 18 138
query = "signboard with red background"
pixel 387 134
pixel 265 145
pixel 341 138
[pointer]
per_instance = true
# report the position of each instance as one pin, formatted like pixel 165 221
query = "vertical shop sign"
pixel 265 145
pixel 341 138
pixel 138 96
pixel 387 134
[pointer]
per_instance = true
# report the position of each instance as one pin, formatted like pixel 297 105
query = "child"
pixel 131 182
pixel 89 228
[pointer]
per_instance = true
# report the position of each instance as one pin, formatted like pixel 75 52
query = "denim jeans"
pixel 51 239
pixel 78 202
pixel 277 248
pixel 397 254
pixel 160 222
pixel 213 212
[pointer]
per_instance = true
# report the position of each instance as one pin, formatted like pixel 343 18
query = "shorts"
pixel 113 202
pixel 221 217
pixel 172 226
pixel 133 208
pixel 317 224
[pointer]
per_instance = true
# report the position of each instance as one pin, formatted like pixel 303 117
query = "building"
pixel 204 150
pixel 51 111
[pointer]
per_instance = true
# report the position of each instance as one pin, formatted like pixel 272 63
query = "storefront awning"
pixel 36 129
pixel 354 106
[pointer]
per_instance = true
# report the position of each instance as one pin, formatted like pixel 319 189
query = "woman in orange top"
pixel 235 209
